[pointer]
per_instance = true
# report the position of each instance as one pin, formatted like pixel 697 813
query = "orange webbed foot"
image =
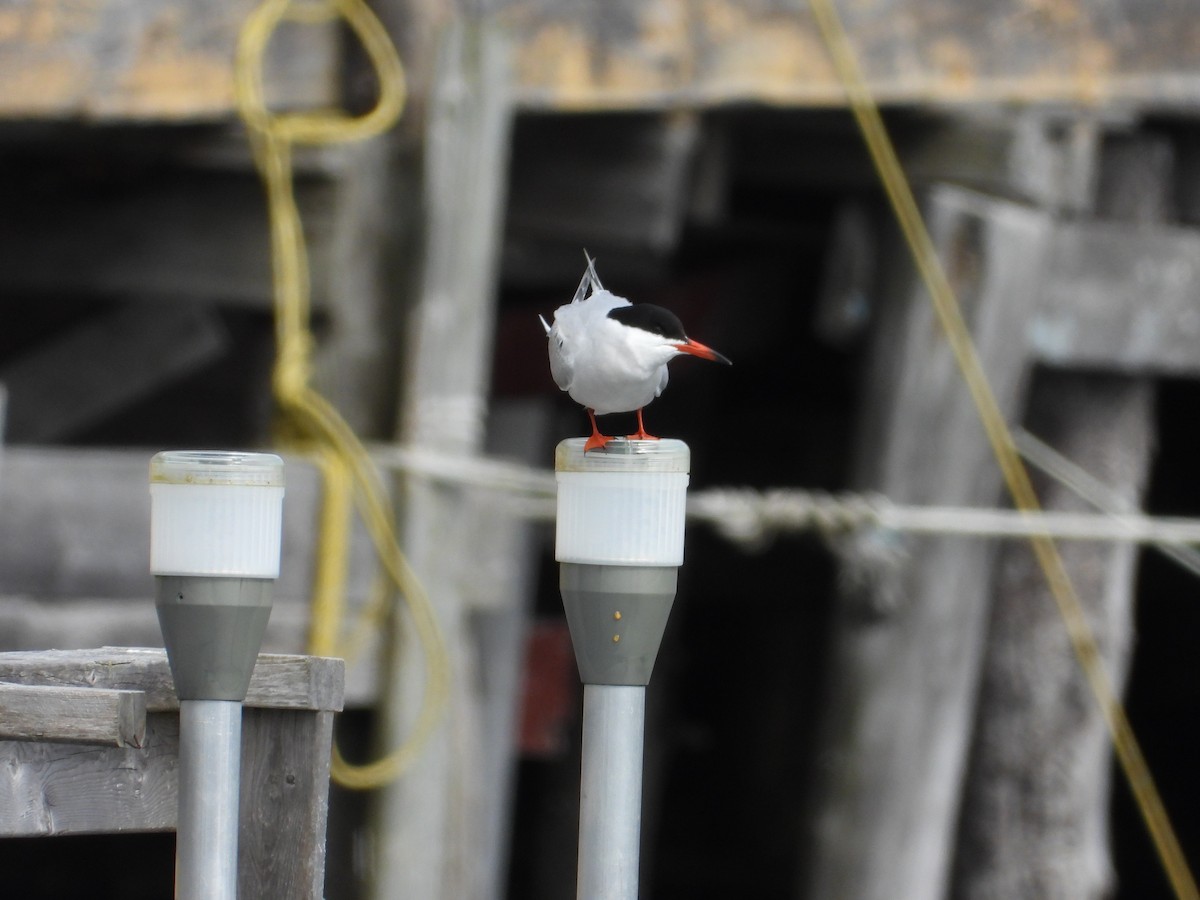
pixel 641 434
pixel 596 441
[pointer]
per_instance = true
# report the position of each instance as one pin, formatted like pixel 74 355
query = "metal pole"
pixel 216 523
pixel 210 753
pixel 619 542
pixel 610 797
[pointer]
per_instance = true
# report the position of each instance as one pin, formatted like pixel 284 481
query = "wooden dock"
pixel 703 152
pixel 91 743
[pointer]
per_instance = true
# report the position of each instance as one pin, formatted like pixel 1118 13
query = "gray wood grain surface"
pixel 280 681
pixel 49 787
pixel 72 715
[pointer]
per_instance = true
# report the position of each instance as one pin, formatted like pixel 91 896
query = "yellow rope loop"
pixel 1016 476
pixel 328 126
pixel 345 464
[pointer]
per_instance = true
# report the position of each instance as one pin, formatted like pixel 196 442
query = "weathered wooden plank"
pixel 1034 819
pixel 72 715
pixel 1120 291
pixel 51 788
pixel 284 803
pixel 55 789
pixel 1120 296
pixel 501 598
pixel 280 681
pixel 163 60
pixel 41 623
pixel 632 54
pixel 906 652
pixel 76 524
pixel 174 60
pixel 428 825
pixel 105 364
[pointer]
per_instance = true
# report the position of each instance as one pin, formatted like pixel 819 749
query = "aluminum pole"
pixel 619 541
pixel 210 754
pixel 610 798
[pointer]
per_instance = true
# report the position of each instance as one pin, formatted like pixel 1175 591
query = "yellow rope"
pixel 883 155
pixel 329 574
pixel 310 417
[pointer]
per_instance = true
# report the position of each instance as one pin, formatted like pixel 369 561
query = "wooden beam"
pixel 53 789
pixel 72 715
pixel 662 54
pixel 1120 297
pixel 174 60
pixel 113 59
pixel 280 681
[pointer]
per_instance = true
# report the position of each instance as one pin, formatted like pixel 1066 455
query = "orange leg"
pixel 641 434
pixel 597 441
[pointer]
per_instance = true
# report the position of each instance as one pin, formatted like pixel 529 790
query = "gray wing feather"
pixel 561 369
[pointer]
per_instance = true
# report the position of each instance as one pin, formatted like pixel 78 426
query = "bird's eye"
pixel 560 343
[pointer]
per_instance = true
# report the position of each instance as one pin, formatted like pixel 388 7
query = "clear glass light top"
pixel 232 467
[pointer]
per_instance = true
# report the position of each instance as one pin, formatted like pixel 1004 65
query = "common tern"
pixel 611 355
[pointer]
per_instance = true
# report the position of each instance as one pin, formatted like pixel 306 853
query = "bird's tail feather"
pixel 590 283
pixel 591 272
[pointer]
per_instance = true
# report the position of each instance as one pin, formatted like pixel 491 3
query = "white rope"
pixel 750 517
pixel 1044 457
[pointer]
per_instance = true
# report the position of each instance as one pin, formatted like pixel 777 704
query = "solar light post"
pixel 216 524
pixel 619 543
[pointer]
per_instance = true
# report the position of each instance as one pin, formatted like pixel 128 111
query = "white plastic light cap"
pixel 622 505
pixel 216 513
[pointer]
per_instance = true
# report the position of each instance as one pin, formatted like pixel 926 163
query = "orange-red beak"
pixel 695 348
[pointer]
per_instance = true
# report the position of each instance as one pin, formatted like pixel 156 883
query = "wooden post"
pixel 1035 808
pixel 905 654
pixel 1034 821
pixel 428 826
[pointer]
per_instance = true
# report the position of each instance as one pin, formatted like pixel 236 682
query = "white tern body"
pixel 611 356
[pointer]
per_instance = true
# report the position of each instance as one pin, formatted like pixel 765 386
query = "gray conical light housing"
pixel 216 525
